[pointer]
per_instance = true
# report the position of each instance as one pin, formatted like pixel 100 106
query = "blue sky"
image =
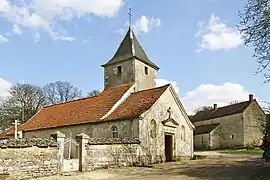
pixel 194 42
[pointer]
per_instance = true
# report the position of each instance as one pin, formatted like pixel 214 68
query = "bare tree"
pixel 93 93
pixel 255 28
pixel 235 102
pixel 24 101
pixel 204 108
pixel 60 92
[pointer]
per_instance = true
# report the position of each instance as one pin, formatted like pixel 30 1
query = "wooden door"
pixel 169 148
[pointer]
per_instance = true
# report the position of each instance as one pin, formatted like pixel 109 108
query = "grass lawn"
pixel 242 151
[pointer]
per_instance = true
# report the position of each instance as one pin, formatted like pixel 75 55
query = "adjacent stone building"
pixel 233 126
pixel 130 111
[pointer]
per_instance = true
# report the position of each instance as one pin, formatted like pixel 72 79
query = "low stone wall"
pixel 104 153
pixel 28 158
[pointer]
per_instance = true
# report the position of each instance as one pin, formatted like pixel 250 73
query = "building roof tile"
pixel 80 111
pixel 130 48
pixel 221 111
pixel 205 129
pixel 137 103
pixel 91 110
pixel 4 134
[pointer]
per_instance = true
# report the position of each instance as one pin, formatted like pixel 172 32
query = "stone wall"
pixel 229 134
pixel 202 141
pixel 112 78
pixel 126 128
pixel 29 158
pixel 103 153
pixel 155 146
pixel 142 80
pixel 254 121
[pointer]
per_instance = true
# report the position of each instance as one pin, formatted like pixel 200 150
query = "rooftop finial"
pixel 130 15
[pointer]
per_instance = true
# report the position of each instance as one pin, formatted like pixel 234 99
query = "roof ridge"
pixel 80 99
pixel 151 89
pixel 235 104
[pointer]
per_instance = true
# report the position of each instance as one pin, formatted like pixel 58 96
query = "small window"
pixel 183 134
pixel 153 128
pixel 233 136
pixel 119 69
pixel 114 132
pixel 145 70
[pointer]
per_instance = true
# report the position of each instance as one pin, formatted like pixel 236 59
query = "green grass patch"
pixel 242 151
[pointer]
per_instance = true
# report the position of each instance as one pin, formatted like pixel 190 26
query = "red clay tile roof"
pixel 89 110
pixel 76 112
pixel 205 129
pixel 137 103
pixel 222 111
pixel 4 135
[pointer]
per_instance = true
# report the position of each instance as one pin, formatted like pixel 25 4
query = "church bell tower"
pixel 130 65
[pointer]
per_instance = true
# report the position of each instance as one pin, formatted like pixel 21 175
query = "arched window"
pixel 153 128
pixel 114 132
pixel 183 134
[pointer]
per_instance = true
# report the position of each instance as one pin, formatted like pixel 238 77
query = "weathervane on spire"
pixel 130 15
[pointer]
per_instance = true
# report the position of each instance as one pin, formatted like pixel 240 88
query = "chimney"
pixel 250 97
pixel 215 107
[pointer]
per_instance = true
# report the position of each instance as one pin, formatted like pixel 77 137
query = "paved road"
pixel 211 168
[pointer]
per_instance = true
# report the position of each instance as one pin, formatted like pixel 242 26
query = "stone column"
pixel 60 138
pixel 83 140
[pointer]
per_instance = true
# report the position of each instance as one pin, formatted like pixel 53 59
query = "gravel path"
pixel 218 168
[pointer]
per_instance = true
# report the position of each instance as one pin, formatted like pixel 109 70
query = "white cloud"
pixel 216 35
pixel 46 15
pixel 3 39
pixel 161 82
pixel 209 94
pixel 145 24
pixel 16 30
pixel 4 87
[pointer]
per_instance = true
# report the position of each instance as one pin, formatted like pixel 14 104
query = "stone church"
pixel 237 125
pixel 130 109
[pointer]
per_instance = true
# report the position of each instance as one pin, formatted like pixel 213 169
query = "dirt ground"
pixel 210 168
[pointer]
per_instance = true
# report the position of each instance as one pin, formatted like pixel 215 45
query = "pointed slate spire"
pixel 128 49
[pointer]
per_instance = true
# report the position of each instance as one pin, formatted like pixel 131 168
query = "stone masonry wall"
pixel 155 147
pixel 229 134
pixel 102 153
pixel 29 158
pixel 142 80
pixel 254 120
pixel 126 128
pixel 201 141
pixel 112 78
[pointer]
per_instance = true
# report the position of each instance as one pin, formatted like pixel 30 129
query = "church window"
pixel 153 128
pixel 183 134
pixel 145 70
pixel 114 132
pixel 119 69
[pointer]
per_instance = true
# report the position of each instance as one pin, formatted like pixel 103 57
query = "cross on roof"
pixel 170 112
pixel 130 15
pixel 16 123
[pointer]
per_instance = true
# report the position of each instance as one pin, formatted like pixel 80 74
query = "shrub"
pixel 266 148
